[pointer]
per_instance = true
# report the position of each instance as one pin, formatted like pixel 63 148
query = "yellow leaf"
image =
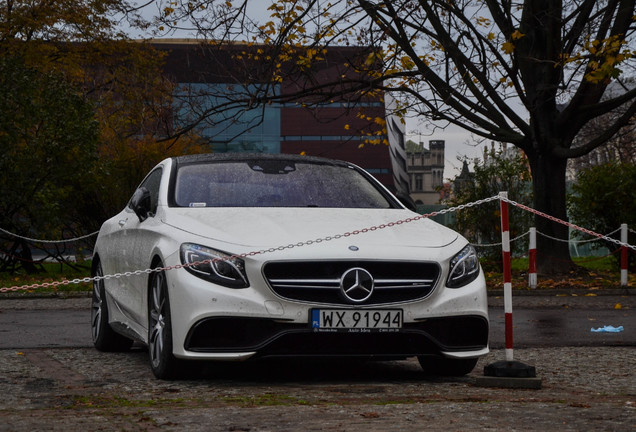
pixel 347 127
pixel 618 306
pixel 508 47
pixel 517 35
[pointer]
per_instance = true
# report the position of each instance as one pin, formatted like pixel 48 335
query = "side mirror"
pixel 407 201
pixel 140 203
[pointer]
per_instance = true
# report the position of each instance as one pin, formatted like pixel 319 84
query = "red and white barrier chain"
pixel 306 243
pixel 253 253
pixel 569 224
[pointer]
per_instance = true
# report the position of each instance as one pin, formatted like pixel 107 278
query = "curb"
pixel 583 292
pixel 44 295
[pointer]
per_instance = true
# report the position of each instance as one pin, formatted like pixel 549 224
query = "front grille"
pixel 319 281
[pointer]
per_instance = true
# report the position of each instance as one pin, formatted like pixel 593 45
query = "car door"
pixel 137 238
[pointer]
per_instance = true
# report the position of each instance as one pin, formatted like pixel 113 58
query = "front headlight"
pixel 214 266
pixel 464 268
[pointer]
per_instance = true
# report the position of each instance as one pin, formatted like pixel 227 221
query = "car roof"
pixel 238 157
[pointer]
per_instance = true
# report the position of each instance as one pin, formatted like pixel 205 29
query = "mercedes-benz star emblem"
pixel 356 285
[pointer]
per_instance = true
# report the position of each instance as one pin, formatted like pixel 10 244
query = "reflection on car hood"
pixel 273 227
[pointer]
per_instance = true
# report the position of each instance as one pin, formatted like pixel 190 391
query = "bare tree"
pixel 620 148
pixel 531 73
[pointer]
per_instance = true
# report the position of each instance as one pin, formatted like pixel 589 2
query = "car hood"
pixel 273 227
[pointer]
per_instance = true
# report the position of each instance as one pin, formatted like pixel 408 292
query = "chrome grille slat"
pixel 335 284
pixel 304 281
pixel 404 281
pixel 284 285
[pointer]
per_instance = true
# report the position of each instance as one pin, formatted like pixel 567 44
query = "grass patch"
pixel 49 273
pixel 602 273
pixel 396 402
pixel 108 402
pixel 599 264
pixel 267 399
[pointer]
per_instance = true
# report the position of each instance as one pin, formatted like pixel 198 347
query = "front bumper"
pixel 265 337
pixel 217 323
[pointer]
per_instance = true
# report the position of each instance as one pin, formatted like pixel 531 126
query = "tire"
pixel 447 366
pixel 104 337
pixel 162 361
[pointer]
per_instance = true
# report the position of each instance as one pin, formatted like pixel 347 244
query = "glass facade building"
pixel 208 91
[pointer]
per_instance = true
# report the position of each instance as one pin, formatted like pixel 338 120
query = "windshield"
pixel 275 183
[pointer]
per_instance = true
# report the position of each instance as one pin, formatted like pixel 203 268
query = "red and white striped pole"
pixel 507 272
pixel 532 258
pixel 502 370
pixel 624 255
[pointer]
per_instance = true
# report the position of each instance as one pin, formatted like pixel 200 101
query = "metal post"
pixel 624 255
pixel 507 273
pixel 508 373
pixel 532 259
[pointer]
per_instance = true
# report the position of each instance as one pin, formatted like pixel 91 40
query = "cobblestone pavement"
pixel 80 389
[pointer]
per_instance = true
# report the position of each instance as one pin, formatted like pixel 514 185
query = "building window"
pixel 437 178
pixel 419 184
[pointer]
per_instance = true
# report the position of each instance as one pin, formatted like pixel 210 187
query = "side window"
pixel 152 184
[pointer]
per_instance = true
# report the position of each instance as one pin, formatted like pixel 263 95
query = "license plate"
pixel 356 320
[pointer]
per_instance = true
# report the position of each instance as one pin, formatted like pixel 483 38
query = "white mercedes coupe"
pixel 239 256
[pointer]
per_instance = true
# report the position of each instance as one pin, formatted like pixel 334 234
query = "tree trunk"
pixel 25 258
pixel 549 190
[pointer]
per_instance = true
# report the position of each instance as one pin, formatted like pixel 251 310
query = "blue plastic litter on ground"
pixel 608 329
